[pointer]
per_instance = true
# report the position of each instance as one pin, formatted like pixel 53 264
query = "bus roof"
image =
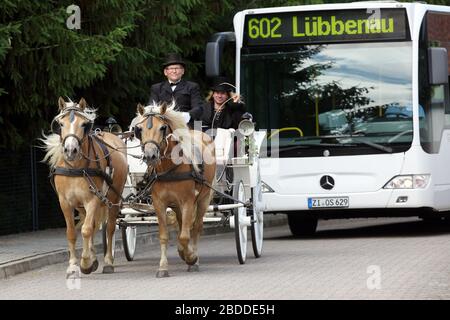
pixel 350 5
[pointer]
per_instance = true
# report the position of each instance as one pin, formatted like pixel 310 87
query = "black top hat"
pixel 173 58
pixel 221 84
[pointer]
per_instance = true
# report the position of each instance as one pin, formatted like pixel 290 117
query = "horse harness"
pixel 169 175
pixel 88 172
pixel 138 131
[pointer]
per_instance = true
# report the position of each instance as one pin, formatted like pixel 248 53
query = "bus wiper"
pixel 375 145
pixel 313 145
pixel 353 136
pixel 329 137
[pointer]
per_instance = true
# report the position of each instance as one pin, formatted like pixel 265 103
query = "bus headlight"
pixel 412 181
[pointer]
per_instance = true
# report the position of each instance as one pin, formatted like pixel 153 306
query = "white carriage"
pixel 237 199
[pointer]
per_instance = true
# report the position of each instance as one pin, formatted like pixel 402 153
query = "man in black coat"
pixel 186 93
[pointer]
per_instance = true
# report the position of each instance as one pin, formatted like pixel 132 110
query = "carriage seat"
pixel 223 143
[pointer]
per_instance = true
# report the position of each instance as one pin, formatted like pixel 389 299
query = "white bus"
pixel 355 101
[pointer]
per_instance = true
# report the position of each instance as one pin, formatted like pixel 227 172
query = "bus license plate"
pixel 334 202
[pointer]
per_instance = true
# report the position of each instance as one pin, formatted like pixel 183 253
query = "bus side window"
pixel 435 98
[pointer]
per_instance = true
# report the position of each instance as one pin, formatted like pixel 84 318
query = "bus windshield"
pixel 349 96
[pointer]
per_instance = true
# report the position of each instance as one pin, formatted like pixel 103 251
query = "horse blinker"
pixel 138 132
pixel 164 130
pixel 87 127
pixel 55 127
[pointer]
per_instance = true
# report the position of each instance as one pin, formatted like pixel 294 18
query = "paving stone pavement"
pixel 32 250
pixel 343 260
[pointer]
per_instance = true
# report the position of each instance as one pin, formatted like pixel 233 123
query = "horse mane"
pixel 52 142
pixel 54 148
pixel 180 132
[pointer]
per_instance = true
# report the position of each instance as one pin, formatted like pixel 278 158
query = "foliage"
pixel 111 61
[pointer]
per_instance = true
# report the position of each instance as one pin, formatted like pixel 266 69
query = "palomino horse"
pixel 180 179
pixel 88 176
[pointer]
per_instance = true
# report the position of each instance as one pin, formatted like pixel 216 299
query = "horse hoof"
pixel 94 266
pixel 181 254
pixel 108 269
pixel 193 268
pixel 193 261
pixel 87 270
pixel 162 274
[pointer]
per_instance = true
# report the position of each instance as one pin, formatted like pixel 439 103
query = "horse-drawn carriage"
pixel 159 173
pixel 237 192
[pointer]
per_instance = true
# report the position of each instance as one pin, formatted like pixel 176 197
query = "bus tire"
pixel 301 226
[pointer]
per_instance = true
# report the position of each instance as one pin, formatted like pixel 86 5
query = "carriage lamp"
pixel 113 126
pixel 110 121
pixel 412 181
pixel 246 127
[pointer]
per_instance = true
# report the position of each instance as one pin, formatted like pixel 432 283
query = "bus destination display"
pixel 326 26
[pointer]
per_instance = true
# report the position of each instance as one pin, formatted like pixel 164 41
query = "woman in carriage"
pixel 224 108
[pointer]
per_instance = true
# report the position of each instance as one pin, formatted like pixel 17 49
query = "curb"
pixel 58 256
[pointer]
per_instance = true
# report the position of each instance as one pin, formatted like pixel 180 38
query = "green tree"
pixel 111 60
pixel 43 59
pixel 160 27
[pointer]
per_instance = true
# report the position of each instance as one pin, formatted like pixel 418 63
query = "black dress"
pixel 228 117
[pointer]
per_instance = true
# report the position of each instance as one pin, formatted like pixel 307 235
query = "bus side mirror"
pixel 438 65
pixel 214 49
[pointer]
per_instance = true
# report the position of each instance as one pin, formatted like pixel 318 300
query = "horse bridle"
pixel 149 124
pixel 56 127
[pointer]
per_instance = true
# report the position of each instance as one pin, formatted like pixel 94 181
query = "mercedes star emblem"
pixel 327 182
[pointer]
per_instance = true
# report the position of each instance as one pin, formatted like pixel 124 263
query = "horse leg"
pixel 92 251
pixel 73 270
pixel 99 217
pixel 88 260
pixel 111 228
pixel 187 211
pixel 179 221
pixel 160 209
pixel 197 229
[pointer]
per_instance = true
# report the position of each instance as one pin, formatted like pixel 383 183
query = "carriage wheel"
pixel 129 241
pixel 105 239
pixel 240 223
pixel 257 215
pixel 257 227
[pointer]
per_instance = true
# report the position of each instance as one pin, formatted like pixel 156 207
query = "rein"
pixel 88 172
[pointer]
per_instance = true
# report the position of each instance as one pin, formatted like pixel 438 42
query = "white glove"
pixel 186 116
